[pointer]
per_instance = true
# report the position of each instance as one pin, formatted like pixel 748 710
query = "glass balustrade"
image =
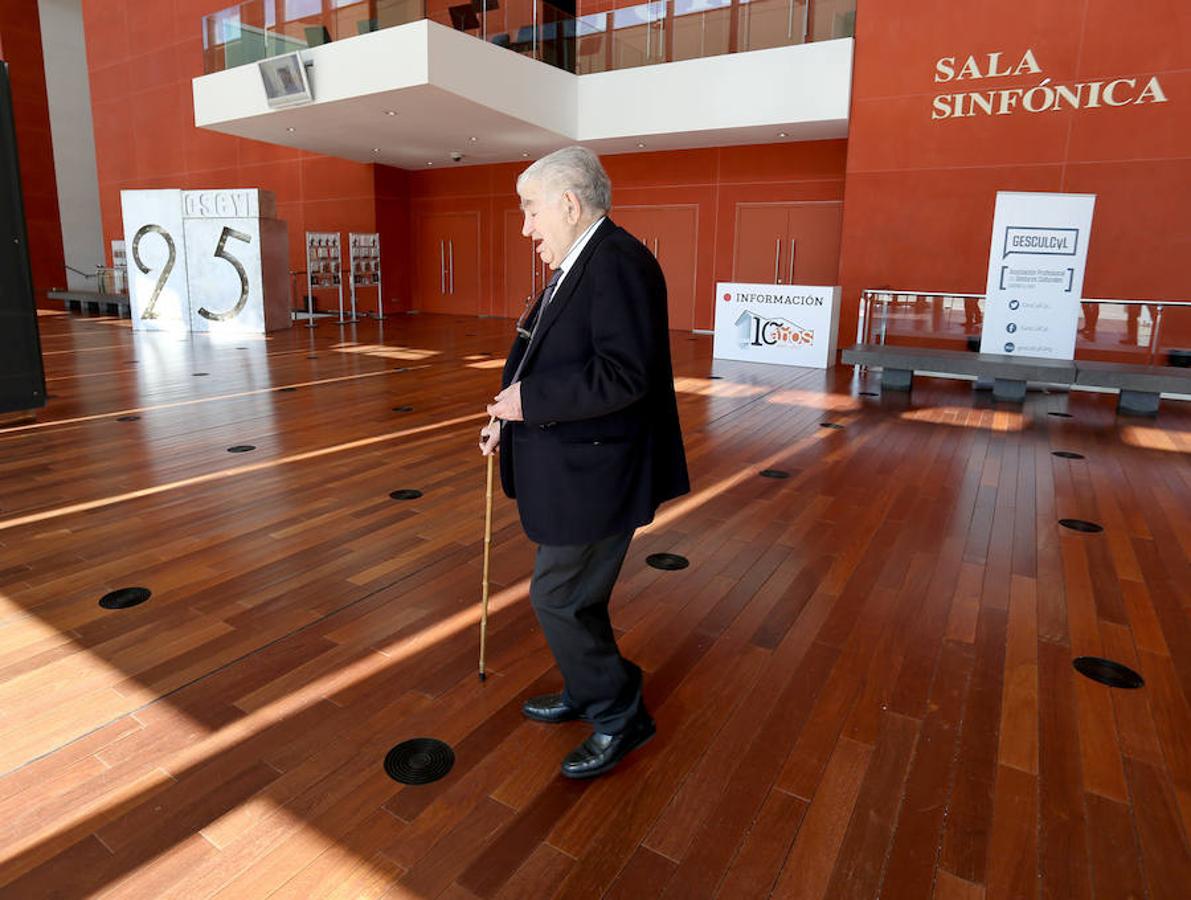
pixel 620 35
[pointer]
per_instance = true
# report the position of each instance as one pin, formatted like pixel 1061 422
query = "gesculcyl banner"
pixel 1035 273
pixel 788 324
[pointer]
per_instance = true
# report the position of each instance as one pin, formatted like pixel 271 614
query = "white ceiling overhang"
pixel 410 95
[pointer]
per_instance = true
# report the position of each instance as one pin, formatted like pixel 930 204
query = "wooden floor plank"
pixel 812 858
pixel 863 681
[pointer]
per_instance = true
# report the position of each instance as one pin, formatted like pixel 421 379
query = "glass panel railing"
pixel 629 34
pixel 701 28
pixel 1145 332
pixel 1134 331
pixel 258 29
pixel 765 24
pixel 832 19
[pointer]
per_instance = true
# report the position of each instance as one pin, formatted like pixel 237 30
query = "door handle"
pixel 791 279
pixel 442 268
pixel 451 257
pixel 777 262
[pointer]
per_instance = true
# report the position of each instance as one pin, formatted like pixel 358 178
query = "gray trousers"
pixel 570 591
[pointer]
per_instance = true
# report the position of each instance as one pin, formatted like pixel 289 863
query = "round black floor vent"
pixel 128 419
pixel 419 761
pixel 241 448
pixel 1082 525
pixel 124 598
pixel 406 494
pixel 774 473
pixel 669 562
pixel 1061 415
pixel 830 425
pixel 1108 672
pixel 1067 454
pixel 403 409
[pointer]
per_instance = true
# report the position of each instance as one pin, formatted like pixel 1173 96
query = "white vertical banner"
pixel 158 286
pixel 1035 273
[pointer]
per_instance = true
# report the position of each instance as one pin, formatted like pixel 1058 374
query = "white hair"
pixel 574 169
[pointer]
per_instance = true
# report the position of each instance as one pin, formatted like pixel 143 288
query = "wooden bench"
pixel 1009 373
pixel 1140 386
pixel 112 304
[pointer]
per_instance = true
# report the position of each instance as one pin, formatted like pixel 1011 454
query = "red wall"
pixel 142 57
pixel 921 193
pixel 714 179
pixel 20 47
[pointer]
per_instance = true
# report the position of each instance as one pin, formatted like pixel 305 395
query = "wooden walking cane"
pixel 487 552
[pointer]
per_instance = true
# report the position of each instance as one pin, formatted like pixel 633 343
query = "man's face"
pixel 551 220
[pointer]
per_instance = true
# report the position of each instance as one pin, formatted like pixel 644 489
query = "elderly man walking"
pixel 589 440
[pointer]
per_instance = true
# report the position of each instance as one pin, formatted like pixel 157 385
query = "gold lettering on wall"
pixel 1037 98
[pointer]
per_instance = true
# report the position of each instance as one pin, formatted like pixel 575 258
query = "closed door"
pixel 787 243
pixel 760 236
pixel 671 234
pixel 519 267
pixel 812 243
pixel 525 273
pixel 447 271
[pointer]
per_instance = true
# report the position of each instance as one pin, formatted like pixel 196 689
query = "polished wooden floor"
pixel 862 683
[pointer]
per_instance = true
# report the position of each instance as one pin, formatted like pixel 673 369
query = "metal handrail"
pixel 864 331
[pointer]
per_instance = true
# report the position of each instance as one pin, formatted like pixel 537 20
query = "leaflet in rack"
pixel 364 250
pixel 324 267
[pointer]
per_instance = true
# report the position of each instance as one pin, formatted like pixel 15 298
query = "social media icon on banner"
pixel 1011 327
pixel 1014 304
pixel 1009 347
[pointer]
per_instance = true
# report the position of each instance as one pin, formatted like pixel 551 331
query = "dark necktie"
pixel 547 294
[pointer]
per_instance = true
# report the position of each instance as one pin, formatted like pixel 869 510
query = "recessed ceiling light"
pixel 290 128
pixel 376 149
pixel 526 155
pixel 429 163
pixel 390 112
pixel 641 145
pixel 473 139
pixel 782 134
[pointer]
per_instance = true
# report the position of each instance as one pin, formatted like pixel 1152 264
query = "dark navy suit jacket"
pixel 600 448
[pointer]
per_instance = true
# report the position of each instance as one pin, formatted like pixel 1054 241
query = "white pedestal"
pixel 222 267
pixel 789 324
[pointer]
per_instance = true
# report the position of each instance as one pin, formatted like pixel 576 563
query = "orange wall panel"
pixel 142 58
pixel 714 180
pixel 20 38
pixel 921 192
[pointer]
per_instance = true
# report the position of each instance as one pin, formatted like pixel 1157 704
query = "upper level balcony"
pixel 602 36
pixel 408 83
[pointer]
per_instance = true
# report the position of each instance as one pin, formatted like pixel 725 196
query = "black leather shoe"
pixel 549 708
pixel 602 752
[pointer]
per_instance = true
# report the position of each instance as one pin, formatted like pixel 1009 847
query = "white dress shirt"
pixel 573 253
